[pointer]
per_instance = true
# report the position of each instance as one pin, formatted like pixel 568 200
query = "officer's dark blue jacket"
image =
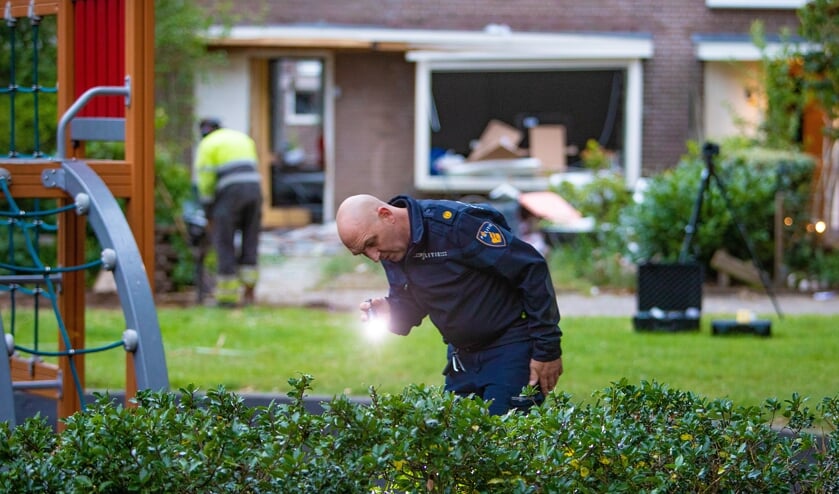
pixel 481 285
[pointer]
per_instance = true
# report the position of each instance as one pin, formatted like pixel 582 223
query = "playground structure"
pixel 104 91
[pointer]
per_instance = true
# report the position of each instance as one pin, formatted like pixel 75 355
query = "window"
pixel 755 4
pixel 297 109
pixel 595 100
pixel 588 103
pixel 300 83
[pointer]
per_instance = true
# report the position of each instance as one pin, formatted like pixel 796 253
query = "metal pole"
pixel 80 103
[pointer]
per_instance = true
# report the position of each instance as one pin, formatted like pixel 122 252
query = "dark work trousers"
pixel 237 207
pixel 496 374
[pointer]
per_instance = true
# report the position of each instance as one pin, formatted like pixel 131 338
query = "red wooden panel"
pixel 100 53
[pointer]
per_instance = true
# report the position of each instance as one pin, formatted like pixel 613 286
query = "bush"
pixel 750 178
pixel 172 188
pixel 636 438
pixel 599 258
pixel 603 198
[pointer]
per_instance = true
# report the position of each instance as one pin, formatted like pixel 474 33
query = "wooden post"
pixel 139 139
pixel 71 234
pixel 132 178
pixel 779 238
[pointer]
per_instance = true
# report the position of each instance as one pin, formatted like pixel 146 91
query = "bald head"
pixel 367 225
pixel 353 205
pixel 354 215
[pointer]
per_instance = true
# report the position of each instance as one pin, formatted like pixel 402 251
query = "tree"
pixel 785 100
pixel 181 57
pixel 820 75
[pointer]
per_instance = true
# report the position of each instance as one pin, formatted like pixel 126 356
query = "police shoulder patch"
pixel 489 234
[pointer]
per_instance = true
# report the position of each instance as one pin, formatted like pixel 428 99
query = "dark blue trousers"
pixel 498 374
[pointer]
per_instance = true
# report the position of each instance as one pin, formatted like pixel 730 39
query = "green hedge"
pixel 634 438
pixel 750 178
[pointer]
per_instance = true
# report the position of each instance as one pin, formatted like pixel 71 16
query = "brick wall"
pixel 375 115
pixel 376 107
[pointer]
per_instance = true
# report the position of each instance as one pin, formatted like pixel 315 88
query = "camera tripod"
pixel 709 152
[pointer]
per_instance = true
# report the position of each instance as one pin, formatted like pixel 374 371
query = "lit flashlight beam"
pixel 375 328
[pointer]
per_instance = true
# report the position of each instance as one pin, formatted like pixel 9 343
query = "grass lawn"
pixel 258 349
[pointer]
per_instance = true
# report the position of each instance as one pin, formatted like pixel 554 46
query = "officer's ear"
pixel 385 214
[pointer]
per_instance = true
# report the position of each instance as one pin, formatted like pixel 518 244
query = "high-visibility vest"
pixel 224 157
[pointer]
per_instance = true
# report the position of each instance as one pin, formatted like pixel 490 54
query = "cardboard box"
pixel 547 143
pixel 550 206
pixel 497 141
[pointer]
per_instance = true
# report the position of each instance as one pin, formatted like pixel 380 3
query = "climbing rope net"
pixel 25 76
pixel 30 277
pixel 26 275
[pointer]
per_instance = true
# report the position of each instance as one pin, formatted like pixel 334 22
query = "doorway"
pixel 296 138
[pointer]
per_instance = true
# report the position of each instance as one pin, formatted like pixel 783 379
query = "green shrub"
pixel 599 258
pixel 592 261
pixel 750 178
pixel 603 198
pixel 594 157
pixel 635 438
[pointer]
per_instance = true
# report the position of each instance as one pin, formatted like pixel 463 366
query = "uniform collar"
pixel 414 216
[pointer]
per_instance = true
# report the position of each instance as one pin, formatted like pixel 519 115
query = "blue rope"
pixel 47 270
pixel 71 352
pixel 35 90
pixel 31 223
pixel 4 184
pixel 39 213
pixel 12 90
pixel 30 230
pixel 36 24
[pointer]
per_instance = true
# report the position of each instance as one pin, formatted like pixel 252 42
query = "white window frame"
pixel 755 4
pixel 292 116
pixel 425 181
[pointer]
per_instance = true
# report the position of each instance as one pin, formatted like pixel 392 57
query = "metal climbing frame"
pixel 119 255
pixel 7 401
pixel 83 28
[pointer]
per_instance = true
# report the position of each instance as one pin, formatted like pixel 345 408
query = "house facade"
pixel 399 97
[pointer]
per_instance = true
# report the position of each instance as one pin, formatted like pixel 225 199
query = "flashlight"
pixel 371 312
pixel 375 328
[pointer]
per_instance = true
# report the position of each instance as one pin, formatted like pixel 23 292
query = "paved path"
pixel 294 281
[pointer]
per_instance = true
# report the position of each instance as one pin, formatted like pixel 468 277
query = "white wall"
pixel 734 99
pixel 224 94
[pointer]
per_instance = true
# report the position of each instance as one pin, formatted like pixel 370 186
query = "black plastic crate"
pixel 669 297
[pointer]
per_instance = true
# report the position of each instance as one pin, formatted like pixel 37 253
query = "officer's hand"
pixel 380 306
pixel 545 374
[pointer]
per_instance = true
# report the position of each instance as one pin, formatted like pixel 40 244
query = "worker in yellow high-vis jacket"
pixel 228 184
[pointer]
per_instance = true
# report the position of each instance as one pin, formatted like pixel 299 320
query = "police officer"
pixel 228 185
pixel 488 292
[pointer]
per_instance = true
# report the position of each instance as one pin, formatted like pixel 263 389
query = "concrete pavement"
pixel 292 266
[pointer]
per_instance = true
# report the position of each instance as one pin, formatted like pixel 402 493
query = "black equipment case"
pixel 669 297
